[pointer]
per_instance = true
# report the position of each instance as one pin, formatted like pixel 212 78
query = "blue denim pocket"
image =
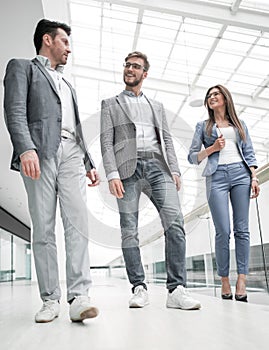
pixel 236 168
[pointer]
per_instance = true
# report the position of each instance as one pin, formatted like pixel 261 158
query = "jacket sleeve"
pixel 169 146
pixel 196 145
pixel 107 139
pixel 248 150
pixel 16 83
pixel 88 162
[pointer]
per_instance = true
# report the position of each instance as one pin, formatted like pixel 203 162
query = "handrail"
pixel 262 245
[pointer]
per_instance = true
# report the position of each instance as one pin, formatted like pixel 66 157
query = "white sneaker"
pixel 49 311
pixel 80 309
pixel 140 297
pixel 181 299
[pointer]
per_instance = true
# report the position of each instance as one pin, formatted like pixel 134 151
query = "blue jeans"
pixel 152 178
pixel 230 181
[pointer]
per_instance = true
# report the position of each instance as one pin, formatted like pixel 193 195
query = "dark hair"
pixel 45 26
pixel 230 111
pixel 139 55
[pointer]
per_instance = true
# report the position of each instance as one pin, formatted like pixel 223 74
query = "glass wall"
pixel 15 258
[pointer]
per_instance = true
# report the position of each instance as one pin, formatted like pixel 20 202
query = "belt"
pixel 148 155
pixel 67 135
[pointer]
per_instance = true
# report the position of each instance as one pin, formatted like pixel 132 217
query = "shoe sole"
pixel 137 306
pixel 88 313
pixel 195 307
pixel 45 321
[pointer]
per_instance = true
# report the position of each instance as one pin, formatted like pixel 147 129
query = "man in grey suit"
pixel 42 118
pixel 139 156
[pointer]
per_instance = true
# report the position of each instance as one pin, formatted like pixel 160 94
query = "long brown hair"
pixel 230 111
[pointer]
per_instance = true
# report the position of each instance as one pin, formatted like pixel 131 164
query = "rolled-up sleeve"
pixel 196 144
pixel 248 150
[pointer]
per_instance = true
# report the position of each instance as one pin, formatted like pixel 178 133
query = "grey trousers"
pixel 62 178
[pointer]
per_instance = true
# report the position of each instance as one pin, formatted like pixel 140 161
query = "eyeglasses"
pixel 213 94
pixel 135 66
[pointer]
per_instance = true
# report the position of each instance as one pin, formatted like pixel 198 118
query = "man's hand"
pixel 30 164
pixel 116 188
pixel 94 177
pixel 177 181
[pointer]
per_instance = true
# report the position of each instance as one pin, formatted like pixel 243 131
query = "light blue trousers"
pixel 230 182
pixel 62 178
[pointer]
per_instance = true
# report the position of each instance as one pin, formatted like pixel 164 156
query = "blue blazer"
pixel 202 138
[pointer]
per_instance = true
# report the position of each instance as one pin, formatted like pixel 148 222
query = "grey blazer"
pixel 118 137
pixel 33 112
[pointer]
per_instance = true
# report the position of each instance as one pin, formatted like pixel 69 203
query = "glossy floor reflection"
pixel 218 325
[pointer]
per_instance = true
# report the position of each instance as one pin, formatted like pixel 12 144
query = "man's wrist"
pixel 175 173
pixel 29 150
pixel 113 175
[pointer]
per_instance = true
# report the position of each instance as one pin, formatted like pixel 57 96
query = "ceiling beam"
pixel 202 10
pixel 138 27
pixel 235 6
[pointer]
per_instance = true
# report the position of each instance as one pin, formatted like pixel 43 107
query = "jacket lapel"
pixel 74 97
pixel 124 106
pixel 215 131
pixel 155 117
pixel 157 122
pixel 51 82
pixel 46 74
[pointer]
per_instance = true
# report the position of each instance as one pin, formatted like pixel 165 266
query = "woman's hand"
pixel 255 189
pixel 219 144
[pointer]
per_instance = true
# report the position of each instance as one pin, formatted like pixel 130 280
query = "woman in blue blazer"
pixel 230 174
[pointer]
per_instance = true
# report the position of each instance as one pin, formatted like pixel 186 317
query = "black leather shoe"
pixel 228 296
pixel 241 297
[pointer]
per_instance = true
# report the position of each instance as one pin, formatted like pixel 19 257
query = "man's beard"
pixel 134 83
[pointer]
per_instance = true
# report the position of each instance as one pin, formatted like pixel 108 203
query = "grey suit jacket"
pixel 33 112
pixel 118 137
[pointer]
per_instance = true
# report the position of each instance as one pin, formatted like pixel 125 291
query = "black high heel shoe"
pixel 228 296
pixel 241 297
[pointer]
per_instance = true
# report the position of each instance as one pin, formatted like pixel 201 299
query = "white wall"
pixel 17 22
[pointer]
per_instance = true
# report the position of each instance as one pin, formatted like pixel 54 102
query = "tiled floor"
pixel 219 325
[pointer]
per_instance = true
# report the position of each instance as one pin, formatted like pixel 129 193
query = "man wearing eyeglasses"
pixel 139 157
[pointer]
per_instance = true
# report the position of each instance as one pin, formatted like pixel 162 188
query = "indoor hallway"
pixel 220 324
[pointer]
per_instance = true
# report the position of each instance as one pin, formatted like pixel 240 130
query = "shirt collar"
pixel 46 63
pixel 132 94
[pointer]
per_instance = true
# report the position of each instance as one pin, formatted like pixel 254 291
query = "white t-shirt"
pixel 230 153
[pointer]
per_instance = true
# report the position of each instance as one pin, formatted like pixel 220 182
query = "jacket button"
pixel 59 102
pixel 59 119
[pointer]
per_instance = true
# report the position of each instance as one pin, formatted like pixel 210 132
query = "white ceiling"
pixel 191 46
